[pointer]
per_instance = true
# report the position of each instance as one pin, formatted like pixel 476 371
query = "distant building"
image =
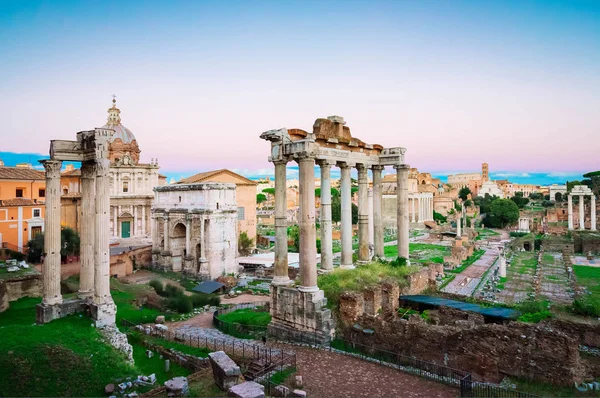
pixel 245 195
pixel 555 188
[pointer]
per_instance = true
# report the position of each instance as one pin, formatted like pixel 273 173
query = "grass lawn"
pixel 63 358
pixel 588 277
pixel 363 276
pixel 248 316
pixel 155 365
pixel 501 283
pixel 137 338
pixel 524 262
pixel 4 274
pixel 421 252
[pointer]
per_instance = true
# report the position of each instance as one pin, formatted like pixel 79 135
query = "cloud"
pixel 525 175
pixel 504 174
pixel 562 174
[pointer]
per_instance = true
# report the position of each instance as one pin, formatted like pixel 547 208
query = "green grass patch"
pixel 155 365
pixel 469 261
pixel 363 276
pixel 138 338
pixel 4 274
pixel 501 283
pixel 421 252
pixel 281 376
pixel 248 316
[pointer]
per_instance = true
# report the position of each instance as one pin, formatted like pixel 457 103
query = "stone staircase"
pixel 255 369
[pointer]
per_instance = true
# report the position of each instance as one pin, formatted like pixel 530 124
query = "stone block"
pixel 281 391
pixel 160 319
pixel 47 313
pixel 109 389
pixel 372 300
pixel 225 371
pixel 177 387
pixel 298 381
pixel 298 393
pixel 247 389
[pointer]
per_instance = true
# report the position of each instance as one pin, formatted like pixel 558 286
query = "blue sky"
pixel 511 83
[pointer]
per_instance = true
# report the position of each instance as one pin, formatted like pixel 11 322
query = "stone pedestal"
pixel 300 316
pixel 46 313
pixel 103 314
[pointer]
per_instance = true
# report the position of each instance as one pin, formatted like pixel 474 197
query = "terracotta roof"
pixel 20 202
pixel 19 173
pixel 204 177
pixel 74 173
pixel 162 176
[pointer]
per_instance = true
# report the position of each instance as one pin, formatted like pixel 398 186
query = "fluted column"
pixel 308 232
pixel 346 216
pixel 166 243
pixel 402 218
pixel 570 211
pixel 52 245
pixel 458 222
pixel 86 246
pixel 363 214
pixel 377 212
pixel 581 213
pixel 412 205
pixel 101 238
pixel 280 276
pixel 593 212
pixel 326 228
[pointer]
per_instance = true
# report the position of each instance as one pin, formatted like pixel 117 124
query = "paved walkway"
pixel 466 282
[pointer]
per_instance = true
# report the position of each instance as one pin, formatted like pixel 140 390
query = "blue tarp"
pixel 496 312
pixel 208 287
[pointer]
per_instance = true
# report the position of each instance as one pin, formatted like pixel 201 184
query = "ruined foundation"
pixel 300 316
pixel 46 313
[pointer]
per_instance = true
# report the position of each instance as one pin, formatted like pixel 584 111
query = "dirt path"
pixel 328 374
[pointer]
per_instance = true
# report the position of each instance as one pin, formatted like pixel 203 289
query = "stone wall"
pixel 22 286
pixel 586 242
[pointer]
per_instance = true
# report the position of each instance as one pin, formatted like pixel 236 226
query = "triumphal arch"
pixel 91 149
pixel 300 313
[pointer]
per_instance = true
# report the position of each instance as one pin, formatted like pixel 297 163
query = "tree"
pixel 464 193
pixel 519 200
pixel 536 196
pixel 261 197
pixel 294 233
pixel 334 192
pixel 245 244
pixel 354 214
pixel 69 245
pixel 336 210
pixel 558 197
pixel 503 212
pixel 270 191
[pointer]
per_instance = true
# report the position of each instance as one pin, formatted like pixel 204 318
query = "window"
pixel 65 191
pixel 42 193
pixel 125 186
pixel 37 213
pixel 241 213
pixel 19 193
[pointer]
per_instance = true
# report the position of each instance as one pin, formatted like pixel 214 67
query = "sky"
pixel 511 83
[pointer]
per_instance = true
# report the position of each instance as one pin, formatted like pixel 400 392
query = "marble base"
pixel 47 313
pixel 103 314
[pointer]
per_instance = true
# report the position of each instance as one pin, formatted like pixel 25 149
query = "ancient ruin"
pixel 302 311
pixel 91 149
pixel 582 191
pixel 194 229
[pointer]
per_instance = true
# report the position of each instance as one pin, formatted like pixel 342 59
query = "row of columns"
pixel 94 240
pixel 582 212
pixel 308 252
pixel 421 208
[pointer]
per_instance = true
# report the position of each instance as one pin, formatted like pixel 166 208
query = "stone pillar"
pixel 52 245
pixel 326 228
pixel 143 219
pixel 371 223
pixel 166 240
pixel 106 310
pixel 346 216
pixel 378 212
pixel 593 212
pixel 502 266
pixel 280 276
pixel 115 230
pixel 458 222
pixel 188 234
pixel 581 213
pixel 570 211
pixel 204 271
pixel 402 210
pixel 86 245
pixel 412 205
pixel 363 214
pixel 134 231
pixel 155 231
pixel 308 232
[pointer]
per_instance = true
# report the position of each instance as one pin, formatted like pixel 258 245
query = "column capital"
pixel 325 163
pixel 377 167
pixel 304 156
pixel 102 167
pixel 165 216
pixel 88 170
pixel 346 165
pixel 52 167
pixel 362 167
pixel 280 162
pixel 403 167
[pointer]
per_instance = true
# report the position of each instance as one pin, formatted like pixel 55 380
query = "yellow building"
pixel 245 194
pixel 22 193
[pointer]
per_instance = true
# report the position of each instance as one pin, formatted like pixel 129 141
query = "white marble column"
pixel 166 244
pixel 346 216
pixel 593 212
pixel 106 309
pixel 326 227
pixel 143 220
pixel 402 217
pixel 581 213
pixel 87 239
pixel 421 205
pixel 412 205
pixel 308 232
pixel 280 276
pixel 371 223
pixel 378 237
pixel 188 233
pixel 570 211
pixel 52 245
pixel 363 214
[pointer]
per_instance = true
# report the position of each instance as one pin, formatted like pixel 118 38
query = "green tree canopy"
pixel 536 196
pixel 69 245
pixel 245 244
pixel 336 210
pixel 334 192
pixel 261 197
pixel 270 191
pixel 502 213
pixel 519 200
pixel 464 193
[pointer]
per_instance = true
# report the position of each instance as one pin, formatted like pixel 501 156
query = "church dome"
pixel 123 143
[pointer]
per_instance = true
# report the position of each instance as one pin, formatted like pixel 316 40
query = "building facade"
pixel 195 229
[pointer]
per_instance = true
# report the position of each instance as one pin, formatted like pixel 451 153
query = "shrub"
pixel 535 317
pixel 201 299
pixel 438 217
pixel 516 234
pixel 173 291
pixel 182 304
pixel 586 306
pixel 533 306
pixel 157 286
pixel 398 262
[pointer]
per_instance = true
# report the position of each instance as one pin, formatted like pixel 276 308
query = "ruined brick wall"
pixel 586 242
pixel 15 288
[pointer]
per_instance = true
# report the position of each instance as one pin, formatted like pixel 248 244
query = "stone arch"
pixel 179 230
